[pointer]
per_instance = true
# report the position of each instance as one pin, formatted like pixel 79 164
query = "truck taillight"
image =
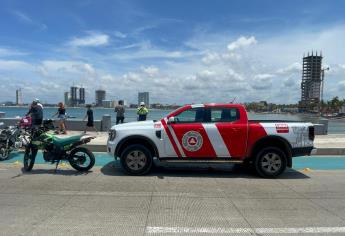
pixel 311 132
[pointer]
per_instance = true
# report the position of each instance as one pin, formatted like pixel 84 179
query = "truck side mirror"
pixel 171 120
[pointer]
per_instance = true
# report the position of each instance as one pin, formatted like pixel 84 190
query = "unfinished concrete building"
pixel 311 82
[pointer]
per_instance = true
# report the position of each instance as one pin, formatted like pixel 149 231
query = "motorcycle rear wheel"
pixel 81 159
pixel 29 158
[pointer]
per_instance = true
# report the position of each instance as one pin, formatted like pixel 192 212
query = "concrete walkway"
pixel 331 144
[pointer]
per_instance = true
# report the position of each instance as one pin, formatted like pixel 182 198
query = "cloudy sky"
pixel 180 51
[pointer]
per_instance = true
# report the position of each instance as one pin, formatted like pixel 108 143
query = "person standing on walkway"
pixel 36 113
pixel 61 113
pixel 89 116
pixel 120 112
pixel 142 112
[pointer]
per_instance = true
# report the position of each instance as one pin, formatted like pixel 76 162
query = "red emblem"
pixel 282 128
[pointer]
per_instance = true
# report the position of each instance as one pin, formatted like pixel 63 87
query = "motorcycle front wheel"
pixel 81 159
pixel 29 158
pixel 4 153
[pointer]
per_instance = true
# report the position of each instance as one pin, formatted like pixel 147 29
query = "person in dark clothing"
pixel 89 116
pixel 36 113
pixel 61 113
pixel 120 112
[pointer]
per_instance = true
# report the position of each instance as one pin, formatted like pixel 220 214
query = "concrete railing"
pixel 71 124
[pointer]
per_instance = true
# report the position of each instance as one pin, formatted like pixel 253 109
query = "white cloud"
pixel 119 34
pixel 292 68
pixel 92 40
pixel 28 20
pixel 9 65
pixel 150 70
pixel 7 52
pixel 242 42
pixel 211 57
pixel 263 76
pixel 234 75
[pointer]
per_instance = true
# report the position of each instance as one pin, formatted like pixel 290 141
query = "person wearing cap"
pixel 142 112
pixel 38 103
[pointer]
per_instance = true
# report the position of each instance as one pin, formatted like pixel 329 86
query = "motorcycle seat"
pixel 65 141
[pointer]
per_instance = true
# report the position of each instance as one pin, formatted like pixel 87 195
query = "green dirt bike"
pixel 56 149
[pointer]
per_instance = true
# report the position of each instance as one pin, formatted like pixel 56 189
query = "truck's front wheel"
pixel 136 160
pixel 270 162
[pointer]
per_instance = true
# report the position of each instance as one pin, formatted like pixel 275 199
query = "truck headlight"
pixel 112 134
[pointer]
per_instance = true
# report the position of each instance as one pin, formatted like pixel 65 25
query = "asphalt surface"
pixel 169 201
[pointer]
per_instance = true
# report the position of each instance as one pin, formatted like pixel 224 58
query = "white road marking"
pixel 216 140
pixel 209 230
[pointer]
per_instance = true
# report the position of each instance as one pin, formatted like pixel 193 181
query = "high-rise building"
pixel 19 97
pixel 311 82
pixel 144 97
pixel 81 95
pixel 73 99
pixel 66 97
pixel 100 96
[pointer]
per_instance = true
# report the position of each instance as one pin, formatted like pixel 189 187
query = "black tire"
pixel 77 161
pixel 4 153
pixel 29 158
pixel 270 162
pixel 136 160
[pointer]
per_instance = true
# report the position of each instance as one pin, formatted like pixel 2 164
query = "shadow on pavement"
pixel 15 154
pixel 52 171
pixel 234 171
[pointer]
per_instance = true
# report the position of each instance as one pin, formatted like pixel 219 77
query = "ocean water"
pixel 334 126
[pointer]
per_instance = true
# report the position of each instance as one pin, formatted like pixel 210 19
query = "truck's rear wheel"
pixel 136 160
pixel 270 162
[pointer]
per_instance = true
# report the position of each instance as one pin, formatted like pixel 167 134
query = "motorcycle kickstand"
pixel 57 164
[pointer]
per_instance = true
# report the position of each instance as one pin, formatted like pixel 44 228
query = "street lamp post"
pixel 322 85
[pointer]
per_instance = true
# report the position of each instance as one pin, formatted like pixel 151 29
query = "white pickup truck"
pixel 213 133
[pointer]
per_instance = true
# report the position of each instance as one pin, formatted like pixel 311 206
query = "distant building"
pixel 106 103
pixel 19 97
pixel 144 97
pixel 66 98
pixel 81 96
pixel 311 82
pixel 100 96
pixel 73 101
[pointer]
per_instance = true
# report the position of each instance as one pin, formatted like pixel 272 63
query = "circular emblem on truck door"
pixel 192 141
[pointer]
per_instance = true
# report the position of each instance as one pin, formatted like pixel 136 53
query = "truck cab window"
pixel 224 114
pixel 194 115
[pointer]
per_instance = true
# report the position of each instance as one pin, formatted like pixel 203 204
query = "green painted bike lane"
pixel 312 162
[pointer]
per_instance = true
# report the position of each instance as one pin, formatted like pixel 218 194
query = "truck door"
pixel 232 128
pixel 191 138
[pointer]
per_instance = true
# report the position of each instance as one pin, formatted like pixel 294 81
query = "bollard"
pixel 106 123
pixel 324 122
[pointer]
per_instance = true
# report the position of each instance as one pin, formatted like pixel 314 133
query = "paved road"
pixel 171 201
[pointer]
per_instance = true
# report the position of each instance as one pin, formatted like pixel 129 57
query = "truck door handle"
pixel 235 129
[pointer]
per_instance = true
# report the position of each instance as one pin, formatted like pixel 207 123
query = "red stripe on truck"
pixel 171 138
